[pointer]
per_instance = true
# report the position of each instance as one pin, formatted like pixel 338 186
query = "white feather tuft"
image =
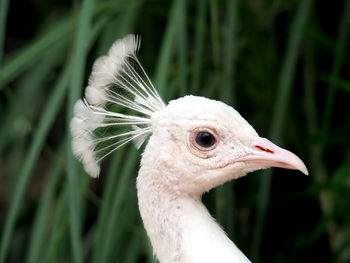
pixel 124 47
pixel 93 169
pixel 103 71
pixel 95 95
pixel 82 139
pixel 80 110
pixel 117 79
pixel 77 127
pixel 81 147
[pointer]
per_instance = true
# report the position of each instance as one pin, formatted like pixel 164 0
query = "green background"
pixel 284 65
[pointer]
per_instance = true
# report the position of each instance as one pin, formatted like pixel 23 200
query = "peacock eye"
pixel 205 139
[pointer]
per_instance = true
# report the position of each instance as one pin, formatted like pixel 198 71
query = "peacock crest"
pixel 117 107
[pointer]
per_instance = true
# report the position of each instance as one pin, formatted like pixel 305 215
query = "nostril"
pixel 264 149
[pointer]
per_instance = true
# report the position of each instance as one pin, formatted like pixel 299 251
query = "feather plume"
pixel 119 101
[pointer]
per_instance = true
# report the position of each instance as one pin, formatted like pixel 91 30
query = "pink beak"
pixel 265 154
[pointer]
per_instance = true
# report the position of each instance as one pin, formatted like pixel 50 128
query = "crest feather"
pixel 117 108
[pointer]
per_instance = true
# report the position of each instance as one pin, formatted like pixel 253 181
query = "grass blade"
pixel 230 53
pixel 59 229
pixel 76 84
pixel 54 102
pixel 340 50
pixel 284 88
pixel 37 235
pixel 107 202
pixel 4 4
pixel 214 31
pixel 182 48
pixel 30 86
pixel 198 50
pixel 166 50
pixel 326 199
pixel 106 246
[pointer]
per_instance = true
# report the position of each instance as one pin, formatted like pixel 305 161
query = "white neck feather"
pixel 179 226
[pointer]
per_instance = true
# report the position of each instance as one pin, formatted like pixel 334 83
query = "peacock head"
pixel 204 143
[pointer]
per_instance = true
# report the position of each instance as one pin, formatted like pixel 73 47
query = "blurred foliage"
pixel 282 64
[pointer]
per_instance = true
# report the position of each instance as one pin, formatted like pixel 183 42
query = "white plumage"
pixel 196 145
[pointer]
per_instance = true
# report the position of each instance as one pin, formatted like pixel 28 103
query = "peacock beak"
pixel 263 154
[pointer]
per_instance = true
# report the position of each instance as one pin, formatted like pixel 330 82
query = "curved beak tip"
pixel 274 156
pixel 292 161
pixel 304 170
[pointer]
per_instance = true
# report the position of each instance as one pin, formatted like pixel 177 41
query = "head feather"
pixel 117 84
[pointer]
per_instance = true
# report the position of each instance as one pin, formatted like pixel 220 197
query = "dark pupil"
pixel 205 139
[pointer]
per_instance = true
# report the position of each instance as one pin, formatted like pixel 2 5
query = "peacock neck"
pixel 180 227
pixel 161 212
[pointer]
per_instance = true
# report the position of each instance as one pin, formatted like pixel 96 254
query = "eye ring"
pixel 204 139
